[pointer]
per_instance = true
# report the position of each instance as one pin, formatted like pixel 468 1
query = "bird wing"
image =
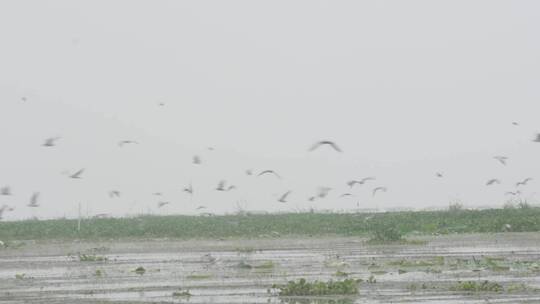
pixel 333 145
pixel 78 173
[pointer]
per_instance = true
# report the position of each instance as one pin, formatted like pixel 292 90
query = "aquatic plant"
pixel 317 288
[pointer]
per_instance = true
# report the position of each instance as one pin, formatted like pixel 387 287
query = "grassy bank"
pixel 267 225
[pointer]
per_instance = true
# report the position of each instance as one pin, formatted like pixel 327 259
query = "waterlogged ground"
pixel 243 271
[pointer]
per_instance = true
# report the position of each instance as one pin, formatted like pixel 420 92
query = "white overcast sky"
pixel 406 88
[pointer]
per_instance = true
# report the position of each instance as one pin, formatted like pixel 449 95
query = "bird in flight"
pixel 34 200
pixel 515 123
pixel 346 194
pixel 537 137
pixel 77 174
pixel 5 190
pixel 269 172
pixel 3 209
pixel 201 207
pixel 439 174
pixel 114 193
pixel 50 142
pixel 501 159
pixel 493 181
pixel 513 193
pixel 188 189
pixel 322 192
pixel 126 142
pixel 283 198
pixel 325 142
pixel 312 198
pixel 221 185
pixel 196 160
pixel 383 189
pixel 351 183
pixel 161 204
pixel 524 182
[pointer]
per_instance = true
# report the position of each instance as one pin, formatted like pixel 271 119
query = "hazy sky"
pixel 406 88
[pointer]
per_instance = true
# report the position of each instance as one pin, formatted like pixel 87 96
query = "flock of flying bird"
pixel 223 186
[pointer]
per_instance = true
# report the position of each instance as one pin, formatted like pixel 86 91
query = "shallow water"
pixel 212 272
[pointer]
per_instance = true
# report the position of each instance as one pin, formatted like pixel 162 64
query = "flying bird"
pixel 383 189
pixel 196 160
pixel 114 193
pixel 513 193
pixel 77 174
pixel 312 198
pixel 34 200
pixel 524 182
pixel 188 189
pixel 221 185
pixel 322 192
pixel 50 142
pixel 161 204
pixel 351 183
pixel 345 194
pixel 501 159
pixel 201 207
pixel 537 137
pixel 325 142
pixel 269 172
pixel 493 181
pixel 4 209
pixel 283 198
pixel 439 174
pixel 126 142
pixel 5 190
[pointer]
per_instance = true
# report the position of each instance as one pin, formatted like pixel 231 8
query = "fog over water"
pixel 405 88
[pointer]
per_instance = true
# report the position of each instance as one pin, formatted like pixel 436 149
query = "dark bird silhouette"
pixel 221 185
pixel 312 198
pixel 322 192
pixel 50 142
pixel 188 189
pixel 492 181
pixel 77 174
pixel 34 200
pixel 114 193
pixel 351 183
pixel 283 198
pixel 383 189
pixel 325 142
pixel 269 172
pixel 501 159
pixel 3 209
pixel 126 142
pixel 346 194
pixel 161 204
pixel 513 193
pixel 196 160
pixel 201 207
pixel 537 138
pixel 524 182
pixel 439 174
pixel 5 190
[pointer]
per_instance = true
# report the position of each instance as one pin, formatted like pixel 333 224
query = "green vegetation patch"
pixel 478 286
pixel 382 227
pixel 318 288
